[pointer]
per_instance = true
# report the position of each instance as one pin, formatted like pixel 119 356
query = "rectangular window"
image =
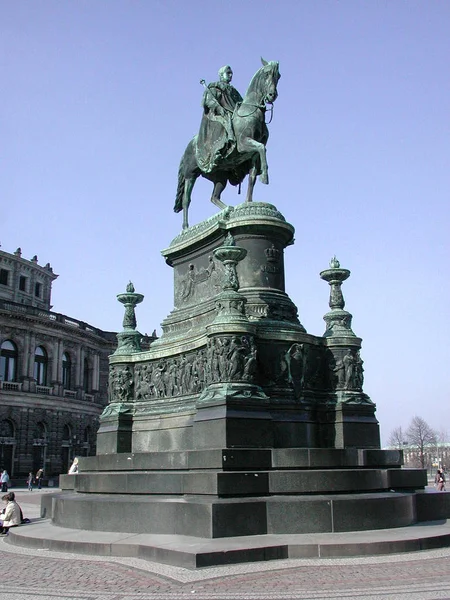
pixel 4 276
pixel 37 289
pixel 22 283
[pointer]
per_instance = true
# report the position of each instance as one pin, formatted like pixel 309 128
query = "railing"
pixel 10 386
pixel 58 317
pixel 15 386
pixel 43 389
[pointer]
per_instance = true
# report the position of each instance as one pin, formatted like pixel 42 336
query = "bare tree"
pixel 420 435
pixel 397 438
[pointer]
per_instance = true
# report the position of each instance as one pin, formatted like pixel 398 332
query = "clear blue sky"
pixel 99 99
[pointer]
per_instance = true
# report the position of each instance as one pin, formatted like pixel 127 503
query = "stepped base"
pixel 209 517
pixel 193 552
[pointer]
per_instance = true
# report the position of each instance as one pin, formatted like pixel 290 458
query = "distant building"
pixel 53 374
pixel 434 456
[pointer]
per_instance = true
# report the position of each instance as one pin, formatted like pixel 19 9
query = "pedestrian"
pixel 441 481
pixel 30 482
pixel 4 480
pixel 39 476
pixel 12 515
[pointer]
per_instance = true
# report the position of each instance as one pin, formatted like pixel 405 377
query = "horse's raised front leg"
pixel 249 145
pixel 219 186
pixel 188 186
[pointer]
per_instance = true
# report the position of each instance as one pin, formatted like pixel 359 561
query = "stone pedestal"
pixel 355 426
pixel 233 415
pixel 237 421
pixel 116 428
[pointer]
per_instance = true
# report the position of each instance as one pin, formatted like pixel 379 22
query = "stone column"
pixel 24 376
pixel 96 373
pixel 56 368
pixel 79 371
pixel 352 422
pixel 32 386
pixel 116 422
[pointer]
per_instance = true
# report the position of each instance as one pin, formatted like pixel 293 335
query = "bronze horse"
pixel 249 154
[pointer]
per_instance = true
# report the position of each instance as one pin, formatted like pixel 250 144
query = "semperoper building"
pixel 53 374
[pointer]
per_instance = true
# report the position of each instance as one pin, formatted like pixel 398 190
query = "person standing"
pixel 30 482
pixel 4 480
pixel 39 476
pixel 441 481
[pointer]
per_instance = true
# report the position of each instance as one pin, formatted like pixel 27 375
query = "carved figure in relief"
pixel 122 385
pixel 295 361
pixel 349 369
pixel 359 371
pixel 236 358
pixel 143 389
pixel 198 368
pixel 186 374
pixel 251 362
pixel 223 349
pixel 339 371
pixel 188 283
pixel 171 378
pixel 158 379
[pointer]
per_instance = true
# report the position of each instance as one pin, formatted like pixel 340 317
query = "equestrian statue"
pixel 232 139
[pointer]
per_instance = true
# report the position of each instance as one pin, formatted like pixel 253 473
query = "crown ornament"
pixel 272 254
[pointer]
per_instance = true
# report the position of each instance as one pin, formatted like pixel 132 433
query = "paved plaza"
pixel 60 576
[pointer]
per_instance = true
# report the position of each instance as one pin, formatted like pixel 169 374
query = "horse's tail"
pixel 180 189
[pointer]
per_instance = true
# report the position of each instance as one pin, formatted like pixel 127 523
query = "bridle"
pixel 261 106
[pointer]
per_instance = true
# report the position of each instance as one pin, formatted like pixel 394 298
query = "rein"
pixel 261 106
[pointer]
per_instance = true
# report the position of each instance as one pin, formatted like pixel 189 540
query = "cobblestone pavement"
pixel 59 576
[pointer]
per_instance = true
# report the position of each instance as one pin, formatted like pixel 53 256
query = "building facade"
pixel 53 374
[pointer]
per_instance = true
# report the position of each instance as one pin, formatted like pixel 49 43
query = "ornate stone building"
pixel 53 374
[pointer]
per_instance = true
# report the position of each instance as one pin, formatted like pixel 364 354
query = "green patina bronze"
pixel 232 139
pixel 129 340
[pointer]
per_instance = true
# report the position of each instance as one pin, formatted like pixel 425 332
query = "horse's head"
pixel 271 75
pixel 263 86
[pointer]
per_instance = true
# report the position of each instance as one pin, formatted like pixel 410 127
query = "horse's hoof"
pixel 218 203
pixel 264 178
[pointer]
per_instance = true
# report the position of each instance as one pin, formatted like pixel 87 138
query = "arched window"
pixel 67 434
pixel 6 429
pixel 40 431
pixel 66 371
pixel 86 376
pixel 8 361
pixel 40 366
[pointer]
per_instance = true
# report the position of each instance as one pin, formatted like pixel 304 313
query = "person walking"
pixel 30 482
pixel 39 476
pixel 4 480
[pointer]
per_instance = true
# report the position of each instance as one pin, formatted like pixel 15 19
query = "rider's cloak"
pixel 216 139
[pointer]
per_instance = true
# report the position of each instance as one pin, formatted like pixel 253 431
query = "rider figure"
pixel 216 139
pixel 220 99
